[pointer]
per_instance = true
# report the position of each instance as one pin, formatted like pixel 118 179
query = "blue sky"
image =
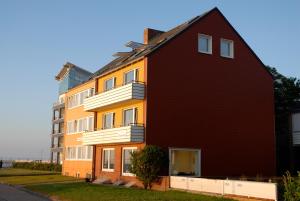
pixel 38 37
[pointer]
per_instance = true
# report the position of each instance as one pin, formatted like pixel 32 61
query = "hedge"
pixel 38 166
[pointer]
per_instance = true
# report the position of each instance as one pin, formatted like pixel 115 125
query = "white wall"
pixel 233 187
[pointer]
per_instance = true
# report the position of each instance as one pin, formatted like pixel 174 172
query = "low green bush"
pixel 291 187
pixel 38 166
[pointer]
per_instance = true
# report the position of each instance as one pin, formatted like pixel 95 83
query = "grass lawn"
pixel 25 177
pixel 5 172
pixel 89 192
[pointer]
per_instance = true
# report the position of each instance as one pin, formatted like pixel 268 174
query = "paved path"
pixel 9 193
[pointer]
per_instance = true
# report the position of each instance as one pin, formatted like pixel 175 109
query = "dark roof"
pixel 160 40
pixel 146 49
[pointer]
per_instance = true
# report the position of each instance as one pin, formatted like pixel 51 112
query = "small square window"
pixel 226 48
pixel 204 44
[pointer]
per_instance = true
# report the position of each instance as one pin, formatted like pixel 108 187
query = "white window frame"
pixel 209 43
pixel 185 149
pixel 75 130
pixel 74 100
pixel 108 169
pixel 134 115
pixel 135 76
pixel 113 82
pixel 123 149
pixel 84 150
pixel 231 48
pixel 112 122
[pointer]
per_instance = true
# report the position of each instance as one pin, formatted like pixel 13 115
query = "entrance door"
pixel 184 162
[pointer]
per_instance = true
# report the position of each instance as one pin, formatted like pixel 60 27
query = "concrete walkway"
pixel 9 193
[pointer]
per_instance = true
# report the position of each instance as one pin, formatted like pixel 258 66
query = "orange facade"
pixel 77 167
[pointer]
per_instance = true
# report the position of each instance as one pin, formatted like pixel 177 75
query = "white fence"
pixel 232 187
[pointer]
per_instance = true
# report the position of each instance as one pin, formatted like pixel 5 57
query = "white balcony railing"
pixel 135 90
pixel 131 133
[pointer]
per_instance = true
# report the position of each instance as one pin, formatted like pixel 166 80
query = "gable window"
pixel 226 48
pixel 205 44
pixel 129 116
pixel 109 84
pixel 126 163
pixel 108 120
pixel 108 159
pixel 131 76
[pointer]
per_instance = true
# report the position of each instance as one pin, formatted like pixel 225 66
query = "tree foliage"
pixel 287 95
pixel 147 164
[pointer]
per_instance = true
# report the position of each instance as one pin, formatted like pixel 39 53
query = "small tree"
pixel 147 164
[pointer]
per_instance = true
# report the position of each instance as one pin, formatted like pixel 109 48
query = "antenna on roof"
pixel 134 45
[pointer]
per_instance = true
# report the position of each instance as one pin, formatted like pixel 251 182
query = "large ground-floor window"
pixel 126 163
pixel 185 162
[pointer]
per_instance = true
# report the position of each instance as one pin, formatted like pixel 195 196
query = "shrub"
pixel 291 187
pixel 147 164
pixel 38 166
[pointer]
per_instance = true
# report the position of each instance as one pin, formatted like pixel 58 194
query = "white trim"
pixel 77 102
pixel 126 173
pixel 113 83
pixel 135 72
pixel 76 153
pixel 209 38
pixel 76 131
pixel 108 169
pixel 231 48
pixel 134 116
pixel 112 122
pixel 185 149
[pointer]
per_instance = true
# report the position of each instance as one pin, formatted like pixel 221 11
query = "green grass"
pixel 5 172
pixel 38 179
pixel 25 177
pixel 89 192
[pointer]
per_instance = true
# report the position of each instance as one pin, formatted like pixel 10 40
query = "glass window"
pixel 79 153
pixel 130 76
pixel 91 123
pixel 129 117
pixel 108 162
pixel 205 44
pixel 89 152
pixel 109 84
pixel 126 160
pixel 226 48
pixel 108 120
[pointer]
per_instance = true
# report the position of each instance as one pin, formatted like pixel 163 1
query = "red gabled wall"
pixel 222 106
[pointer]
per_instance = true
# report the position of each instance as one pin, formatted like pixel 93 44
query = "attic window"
pixel 204 44
pixel 226 48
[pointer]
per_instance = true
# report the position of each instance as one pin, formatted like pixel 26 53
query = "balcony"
pixel 56 133
pixel 132 91
pixel 56 148
pixel 58 105
pixel 131 133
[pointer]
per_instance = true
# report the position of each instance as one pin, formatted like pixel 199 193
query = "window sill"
pixel 108 170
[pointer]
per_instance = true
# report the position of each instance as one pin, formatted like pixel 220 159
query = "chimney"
pixel 150 33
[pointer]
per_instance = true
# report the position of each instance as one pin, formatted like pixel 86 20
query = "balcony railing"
pixel 130 133
pixel 56 148
pixel 58 104
pixel 134 90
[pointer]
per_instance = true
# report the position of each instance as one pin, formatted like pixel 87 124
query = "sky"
pixel 38 37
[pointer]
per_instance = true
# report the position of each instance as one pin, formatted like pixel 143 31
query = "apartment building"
pixel 68 78
pixel 197 90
